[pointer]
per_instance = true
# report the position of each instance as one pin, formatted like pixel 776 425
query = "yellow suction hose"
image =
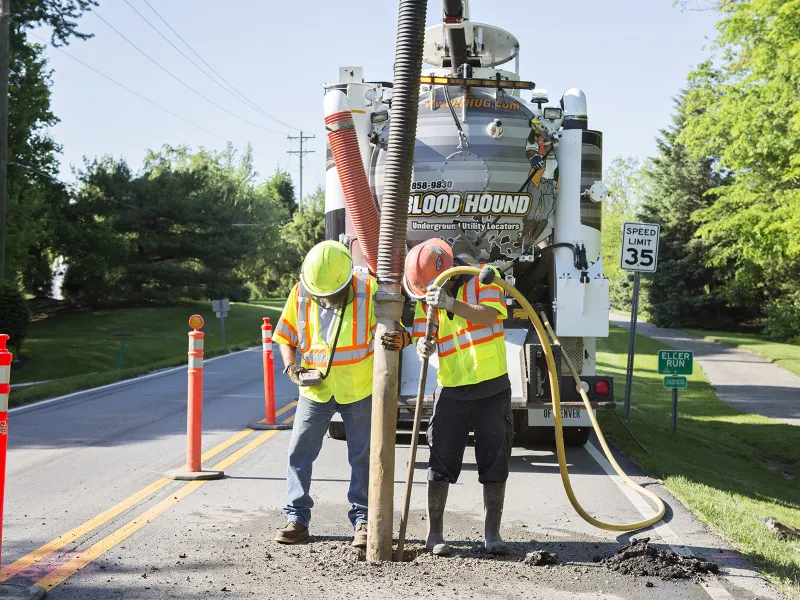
pixel 554 390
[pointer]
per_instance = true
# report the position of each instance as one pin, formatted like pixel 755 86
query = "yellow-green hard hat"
pixel 327 268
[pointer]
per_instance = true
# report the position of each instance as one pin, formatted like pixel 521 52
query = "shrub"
pixel 14 314
pixel 783 319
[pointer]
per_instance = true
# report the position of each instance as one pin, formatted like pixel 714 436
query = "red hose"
pixel 357 195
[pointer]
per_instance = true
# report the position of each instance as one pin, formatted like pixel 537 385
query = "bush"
pixel 783 319
pixel 14 315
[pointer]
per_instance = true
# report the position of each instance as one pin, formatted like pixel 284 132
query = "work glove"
pixel 396 340
pixel 293 371
pixel 425 348
pixel 437 297
pixel 537 162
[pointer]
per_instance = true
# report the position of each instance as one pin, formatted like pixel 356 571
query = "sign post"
pixel 221 308
pixel 675 364
pixel 639 253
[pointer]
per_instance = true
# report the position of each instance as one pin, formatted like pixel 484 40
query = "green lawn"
pixel 82 350
pixel 729 468
pixel 783 355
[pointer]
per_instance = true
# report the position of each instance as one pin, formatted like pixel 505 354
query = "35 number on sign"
pixel 643 258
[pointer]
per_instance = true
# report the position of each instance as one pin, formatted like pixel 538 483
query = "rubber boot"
pixel 493 496
pixel 437 499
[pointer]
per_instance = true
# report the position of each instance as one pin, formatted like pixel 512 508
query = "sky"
pixel 629 56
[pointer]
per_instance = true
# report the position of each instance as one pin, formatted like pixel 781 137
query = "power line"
pixel 189 58
pixel 179 80
pixel 252 104
pixel 146 99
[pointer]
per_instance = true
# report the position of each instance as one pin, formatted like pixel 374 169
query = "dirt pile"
pixel 640 558
pixel 538 558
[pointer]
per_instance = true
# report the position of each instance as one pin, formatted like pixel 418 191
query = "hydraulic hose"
pixel 554 390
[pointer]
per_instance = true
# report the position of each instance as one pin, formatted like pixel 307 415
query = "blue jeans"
pixel 311 422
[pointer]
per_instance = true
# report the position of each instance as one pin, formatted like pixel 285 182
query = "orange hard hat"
pixel 424 263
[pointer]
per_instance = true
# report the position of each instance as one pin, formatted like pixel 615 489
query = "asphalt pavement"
pixel 740 378
pixel 89 515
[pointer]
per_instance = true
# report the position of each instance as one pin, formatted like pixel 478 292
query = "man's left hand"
pixel 437 297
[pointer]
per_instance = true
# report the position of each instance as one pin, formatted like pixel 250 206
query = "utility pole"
pixel 301 153
pixel 4 31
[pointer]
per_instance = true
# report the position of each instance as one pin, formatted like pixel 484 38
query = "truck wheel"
pixel 336 430
pixel 576 436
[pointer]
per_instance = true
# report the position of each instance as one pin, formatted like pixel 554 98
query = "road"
pixel 89 515
pixel 740 378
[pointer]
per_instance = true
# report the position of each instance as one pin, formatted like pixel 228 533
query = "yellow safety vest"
pixel 468 353
pixel 350 377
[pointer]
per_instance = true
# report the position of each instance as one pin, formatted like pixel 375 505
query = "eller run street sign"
pixel 675 362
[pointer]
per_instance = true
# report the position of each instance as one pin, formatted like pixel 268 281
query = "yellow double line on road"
pixel 69 568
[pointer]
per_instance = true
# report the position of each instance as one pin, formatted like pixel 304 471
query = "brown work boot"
pixel 291 534
pixel 360 537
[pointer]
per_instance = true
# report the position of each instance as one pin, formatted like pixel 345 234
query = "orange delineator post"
pixel 8 590
pixel 269 382
pixel 194 427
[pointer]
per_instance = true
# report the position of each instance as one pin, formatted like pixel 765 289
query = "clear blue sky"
pixel 629 56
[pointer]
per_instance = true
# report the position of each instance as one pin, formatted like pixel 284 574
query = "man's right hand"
pixel 425 348
pixel 293 371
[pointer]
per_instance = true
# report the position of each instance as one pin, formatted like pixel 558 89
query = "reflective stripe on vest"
pixel 472 336
pixel 348 351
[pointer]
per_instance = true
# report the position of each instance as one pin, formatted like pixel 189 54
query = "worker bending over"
pixel 329 318
pixel 474 391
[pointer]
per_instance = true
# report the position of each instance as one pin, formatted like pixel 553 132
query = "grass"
pixel 82 350
pixel 729 468
pixel 783 355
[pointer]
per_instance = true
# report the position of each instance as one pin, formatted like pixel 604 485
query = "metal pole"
pixel 674 410
pixel 4 33
pixel 222 323
pixel 631 345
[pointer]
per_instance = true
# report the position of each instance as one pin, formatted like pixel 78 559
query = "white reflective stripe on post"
pixel 267 346
pixel 5 374
pixel 195 343
pixel 3 402
pixel 196 362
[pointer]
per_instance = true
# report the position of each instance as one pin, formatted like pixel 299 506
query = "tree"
pixel 626 182
pixel 743 108
pixel 178 230
pixel 306 228
pixel 684 291
pixel 33 197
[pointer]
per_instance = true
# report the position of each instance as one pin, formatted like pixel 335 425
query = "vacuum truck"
pixel 508 178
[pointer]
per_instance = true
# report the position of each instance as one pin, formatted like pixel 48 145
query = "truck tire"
pixel 576 436
pixel 337 431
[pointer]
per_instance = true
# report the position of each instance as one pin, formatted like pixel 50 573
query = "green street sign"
pixel 675 381
pixel 675 362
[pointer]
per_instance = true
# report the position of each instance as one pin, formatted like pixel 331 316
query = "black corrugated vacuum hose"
pixel 402 135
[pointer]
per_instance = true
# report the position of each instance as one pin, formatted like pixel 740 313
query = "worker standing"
pixel 474 391
pixel 329 318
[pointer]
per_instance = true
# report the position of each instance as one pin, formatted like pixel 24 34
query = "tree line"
pixel 724 184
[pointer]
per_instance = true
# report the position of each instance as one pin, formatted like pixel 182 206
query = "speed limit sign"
pixel 640 247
